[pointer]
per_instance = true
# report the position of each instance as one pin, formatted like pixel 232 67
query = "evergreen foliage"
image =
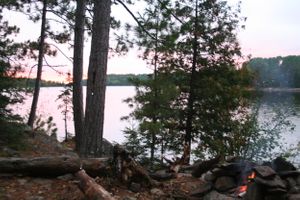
pixel 194 44
pixel 66 103
pixel 10 55
pixel 276 72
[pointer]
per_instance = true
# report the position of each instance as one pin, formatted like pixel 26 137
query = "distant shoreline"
pixel 84 86
pixel 275 89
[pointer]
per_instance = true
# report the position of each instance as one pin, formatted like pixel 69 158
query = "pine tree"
pixel 96 84
pixel 66 103
pixel 154 95
pixel 197 50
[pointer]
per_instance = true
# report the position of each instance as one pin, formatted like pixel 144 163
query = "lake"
pixel 115 108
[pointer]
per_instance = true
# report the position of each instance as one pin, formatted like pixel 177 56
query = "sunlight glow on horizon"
pixel 272 29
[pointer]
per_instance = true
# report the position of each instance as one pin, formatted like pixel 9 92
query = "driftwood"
pixel 128 169
pixel 91 189
pixel 53 166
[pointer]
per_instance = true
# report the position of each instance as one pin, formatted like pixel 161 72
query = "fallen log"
pixel 91 189
pixel 53 166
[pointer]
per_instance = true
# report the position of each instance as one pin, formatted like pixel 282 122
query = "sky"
pixel 272 29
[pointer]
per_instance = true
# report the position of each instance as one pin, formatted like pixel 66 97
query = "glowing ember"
pixel 251 176
pixel 243 188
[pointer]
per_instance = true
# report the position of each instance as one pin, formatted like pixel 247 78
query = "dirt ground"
pixel 66 187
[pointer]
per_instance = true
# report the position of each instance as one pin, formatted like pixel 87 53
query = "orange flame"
pixel 243 188
pixel 251 176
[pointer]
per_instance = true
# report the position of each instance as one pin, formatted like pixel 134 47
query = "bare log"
pixel 91 189
pixel 53 166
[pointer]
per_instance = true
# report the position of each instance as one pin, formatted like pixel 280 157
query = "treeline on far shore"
pixel 112 80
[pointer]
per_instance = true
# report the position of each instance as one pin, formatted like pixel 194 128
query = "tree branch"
pixel 171 12
pixel 68 58
pixel 136 19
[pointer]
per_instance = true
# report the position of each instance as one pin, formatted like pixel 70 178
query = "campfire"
pixel 242 189
pixel 238 179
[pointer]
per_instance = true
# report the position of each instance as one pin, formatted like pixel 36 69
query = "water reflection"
pixel 279 113
pixel 114 110
pixel 287 103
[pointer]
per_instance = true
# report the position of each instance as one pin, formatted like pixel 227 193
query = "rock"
pixel 202 190
pixel 295 190
pixel 275 196
pixel 290 182
pixel 162 175
pixel 217 172
pixel 285 174
pixel 276 182
pixel 157 192
pixel 254 191
pixel 201 167
pixel 135 187
pixel 277 191
pixel 264 171
pixel 225 183
pixel 298 180
pixel 281 165
pixel 214 195
pixel 294 197
pixel 209 176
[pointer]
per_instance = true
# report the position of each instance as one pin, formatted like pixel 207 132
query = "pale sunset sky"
pixel 272 29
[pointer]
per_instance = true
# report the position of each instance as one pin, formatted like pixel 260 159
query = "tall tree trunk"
pixel 66 125
pixel 78 72
pixel 155 88
pixel 39 69
pixel 96 84
pixel 191 97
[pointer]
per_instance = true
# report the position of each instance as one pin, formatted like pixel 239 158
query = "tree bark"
pixel 78 72
pixel 66 125
pixel 37 86
pixel 91 189
pixel 53 166
pixel 191 96
pixel 96 84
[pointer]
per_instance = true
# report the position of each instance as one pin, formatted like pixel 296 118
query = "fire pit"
pixel 239 179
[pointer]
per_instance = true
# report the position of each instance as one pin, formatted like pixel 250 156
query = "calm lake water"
pixel 115 108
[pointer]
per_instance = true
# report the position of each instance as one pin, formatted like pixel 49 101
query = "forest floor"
pixel 65 187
